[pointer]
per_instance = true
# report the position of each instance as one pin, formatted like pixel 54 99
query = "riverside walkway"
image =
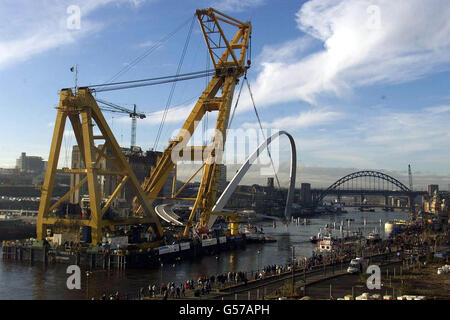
pixel 273 285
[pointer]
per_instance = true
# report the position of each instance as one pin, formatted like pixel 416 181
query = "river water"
pixel 22 281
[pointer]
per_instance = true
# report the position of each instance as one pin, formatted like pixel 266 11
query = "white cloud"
pixel 412 40
pixel 174 115
pixel 146 44
pixel 302 120
pixel 38 26
pixel 438 109
pixel 382 138
pixel 236 5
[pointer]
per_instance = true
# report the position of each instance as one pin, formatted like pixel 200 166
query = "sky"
pixel 359 84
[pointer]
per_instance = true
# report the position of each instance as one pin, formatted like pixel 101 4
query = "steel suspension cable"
pixel 172 89
pixel 202 73
pixel 262 131
pixel 158 44
pixel 236 104
pixel 173 79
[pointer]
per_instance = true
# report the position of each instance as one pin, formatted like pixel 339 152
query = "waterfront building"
pixel 270 182
pixel 140 162
pixel 222 178
pixel 30 164
pixel 432 188
pixel 305 195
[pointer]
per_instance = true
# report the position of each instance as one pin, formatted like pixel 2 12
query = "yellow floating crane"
pixel 230 62
pixel 83 112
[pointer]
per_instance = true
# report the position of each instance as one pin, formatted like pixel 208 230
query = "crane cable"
pixel 237 101
pixel 180 77
pixel 158 44
pixel 174 79
pixel 262 131
pixel 172 89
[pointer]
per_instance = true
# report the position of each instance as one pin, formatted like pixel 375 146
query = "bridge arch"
pixel 359 174
pixel 231 187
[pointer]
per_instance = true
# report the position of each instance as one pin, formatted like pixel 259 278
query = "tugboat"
pixel 326 245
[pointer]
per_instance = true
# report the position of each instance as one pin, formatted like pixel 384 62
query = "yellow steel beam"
pixel 217 96
pixel 122 162
pixel 208 186
pixel 67 195
pixel 174 180
pixel 230 51
pixel 83 105
pixel 114 195
pixel 93 185
pixel 98 171
pixel 52 164
pixel 176 198
pixel 190 179
pixel 89 222
pixel 76 125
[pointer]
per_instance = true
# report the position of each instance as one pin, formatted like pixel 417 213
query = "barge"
pixel 129 256
pixel 15 228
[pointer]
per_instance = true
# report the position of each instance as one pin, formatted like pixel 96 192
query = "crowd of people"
pixel 205 284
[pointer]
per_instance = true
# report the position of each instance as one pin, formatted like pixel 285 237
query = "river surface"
pixel 22 281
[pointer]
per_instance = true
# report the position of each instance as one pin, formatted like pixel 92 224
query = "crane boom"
pixel 229 59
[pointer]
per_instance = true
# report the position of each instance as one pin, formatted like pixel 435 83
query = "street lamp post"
pixel 292 270
pixel 87 283
pixel 259 254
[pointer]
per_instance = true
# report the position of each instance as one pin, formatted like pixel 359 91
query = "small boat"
pixel 374 237
pixel 252 234
pixel 365 209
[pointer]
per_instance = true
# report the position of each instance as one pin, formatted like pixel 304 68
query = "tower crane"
pixel 132 113
pixel 410 177
pixel 231 62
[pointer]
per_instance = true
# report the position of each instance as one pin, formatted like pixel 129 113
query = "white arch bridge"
pixel 166 213
pixel 231 187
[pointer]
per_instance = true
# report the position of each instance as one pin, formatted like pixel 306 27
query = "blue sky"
pixel 360 84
